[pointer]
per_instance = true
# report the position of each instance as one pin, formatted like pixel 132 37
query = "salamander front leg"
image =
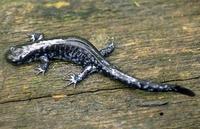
pixel 76 78
pixel 107 50
pixel 34 37
pixel 44 65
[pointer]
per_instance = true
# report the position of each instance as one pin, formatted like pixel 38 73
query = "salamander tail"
pixel 183 90
pixel 145 85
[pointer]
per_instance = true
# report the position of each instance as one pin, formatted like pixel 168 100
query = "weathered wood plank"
pixel 156 40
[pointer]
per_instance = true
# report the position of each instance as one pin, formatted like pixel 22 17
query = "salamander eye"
pixel 12 48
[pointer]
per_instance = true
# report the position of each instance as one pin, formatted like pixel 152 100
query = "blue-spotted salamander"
pixel 80 51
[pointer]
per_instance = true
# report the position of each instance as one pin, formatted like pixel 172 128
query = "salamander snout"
pixel 14 55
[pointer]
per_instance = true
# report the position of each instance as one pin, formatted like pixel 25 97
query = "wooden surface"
pixel 157 40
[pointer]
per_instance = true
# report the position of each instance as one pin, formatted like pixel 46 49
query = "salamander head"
pixel 15 55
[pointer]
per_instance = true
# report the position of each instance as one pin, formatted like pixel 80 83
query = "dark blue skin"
pixel 80 51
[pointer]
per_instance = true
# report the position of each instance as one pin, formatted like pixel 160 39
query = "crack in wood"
pixel 152 104
pixel 26 99
pixel 179 80
pixel 49 95
pixel 96 91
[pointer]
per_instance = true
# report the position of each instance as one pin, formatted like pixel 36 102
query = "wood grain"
pixel 156 40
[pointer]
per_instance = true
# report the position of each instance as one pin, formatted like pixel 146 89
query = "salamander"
pixel 80 51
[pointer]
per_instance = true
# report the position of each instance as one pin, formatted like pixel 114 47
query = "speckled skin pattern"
pixel 80 51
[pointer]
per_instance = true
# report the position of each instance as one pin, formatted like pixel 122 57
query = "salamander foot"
pixel 39 70
pixel 74 79
pixel 34 37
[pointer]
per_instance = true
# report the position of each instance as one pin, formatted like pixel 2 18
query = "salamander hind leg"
pixel 107 50
pixel 44 65
pixel 76 78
